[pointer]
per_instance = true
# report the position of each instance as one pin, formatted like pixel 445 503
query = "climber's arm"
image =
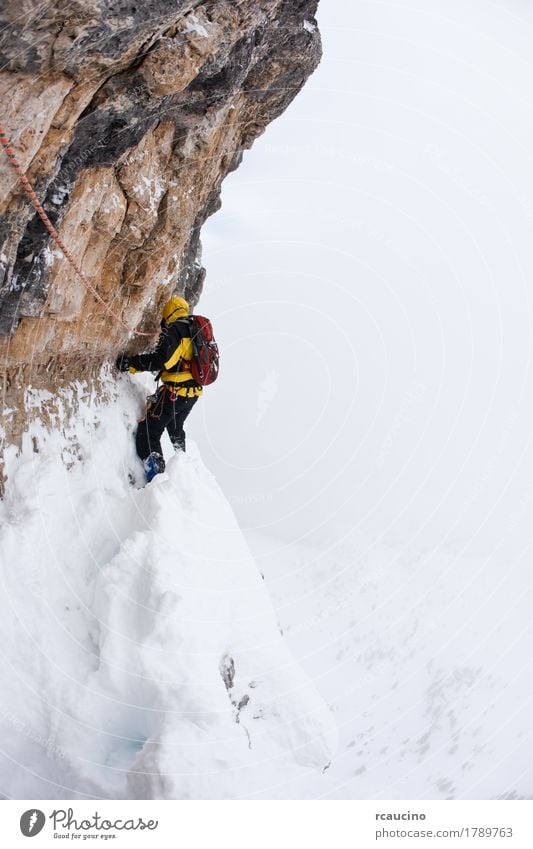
pixel 153 360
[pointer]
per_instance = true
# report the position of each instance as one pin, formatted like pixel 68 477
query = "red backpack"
pixel 205 361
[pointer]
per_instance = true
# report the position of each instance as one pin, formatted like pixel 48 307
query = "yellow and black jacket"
pixel 171 358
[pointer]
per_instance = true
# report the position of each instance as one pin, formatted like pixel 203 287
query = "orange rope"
pixel 35 202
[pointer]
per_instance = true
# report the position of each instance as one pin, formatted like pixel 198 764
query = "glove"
pixel 122 362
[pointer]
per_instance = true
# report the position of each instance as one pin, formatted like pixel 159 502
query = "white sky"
pixel 369 276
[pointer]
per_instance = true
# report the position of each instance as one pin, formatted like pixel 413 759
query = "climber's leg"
pixel 149 432
pixel 181 407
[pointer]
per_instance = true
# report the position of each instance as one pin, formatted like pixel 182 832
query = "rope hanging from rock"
pixel 35 202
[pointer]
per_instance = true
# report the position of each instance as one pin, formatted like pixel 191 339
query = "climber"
pixel 174 400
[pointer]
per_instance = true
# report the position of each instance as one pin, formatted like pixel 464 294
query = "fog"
pixel 369 277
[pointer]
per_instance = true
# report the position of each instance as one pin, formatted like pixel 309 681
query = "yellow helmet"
pixel 174 309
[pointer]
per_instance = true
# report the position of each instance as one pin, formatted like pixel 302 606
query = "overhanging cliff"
pixel 127 117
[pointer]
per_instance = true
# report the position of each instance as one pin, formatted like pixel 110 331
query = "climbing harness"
pixel 35 202
pixel 173 394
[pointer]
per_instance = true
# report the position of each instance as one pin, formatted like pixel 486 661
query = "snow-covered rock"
pixel 141 653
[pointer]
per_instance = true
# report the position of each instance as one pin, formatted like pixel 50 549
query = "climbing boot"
pixel 153 465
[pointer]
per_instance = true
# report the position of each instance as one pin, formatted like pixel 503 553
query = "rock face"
pixel 127 116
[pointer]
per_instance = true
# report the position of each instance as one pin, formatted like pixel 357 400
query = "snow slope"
pixel 425 657
pixel 141 656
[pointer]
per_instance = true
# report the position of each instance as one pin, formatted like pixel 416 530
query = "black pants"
pixel 163 413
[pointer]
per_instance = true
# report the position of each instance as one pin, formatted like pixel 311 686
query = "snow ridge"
pixel 138 640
